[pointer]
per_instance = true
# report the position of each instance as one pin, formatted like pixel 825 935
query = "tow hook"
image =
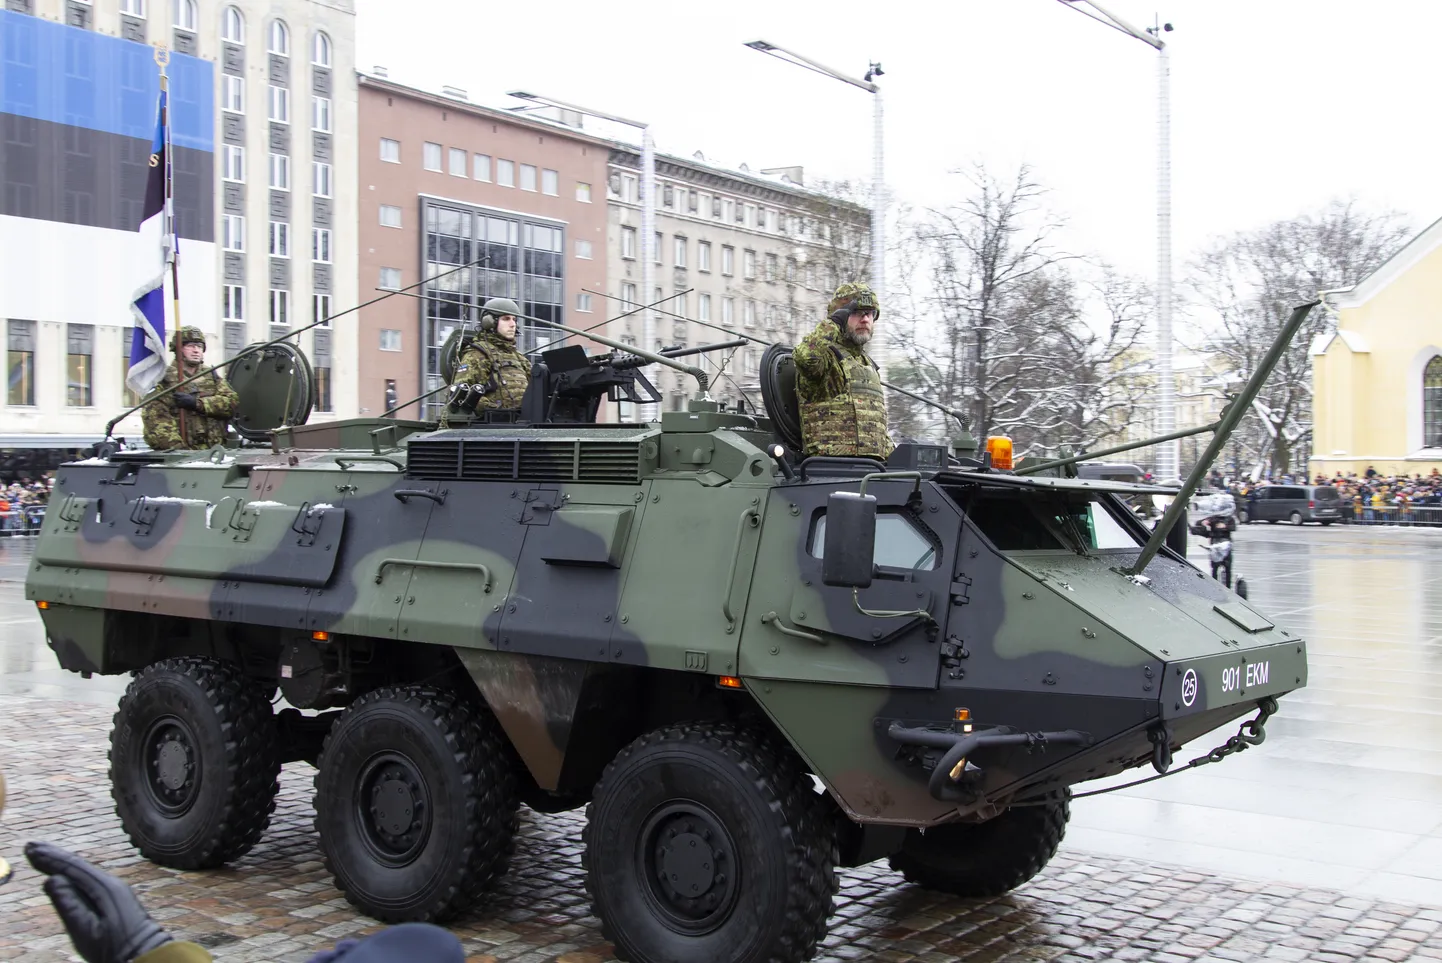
pixel 954 766
pixel 1161 737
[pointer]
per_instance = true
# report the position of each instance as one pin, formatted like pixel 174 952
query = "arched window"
pixel 1432 404
pixel 278 41
pixel 232 26
pixel 320 52
pixel 185 15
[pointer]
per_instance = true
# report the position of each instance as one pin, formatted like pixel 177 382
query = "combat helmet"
pixel 190 334
pixel 495 309
pixel 848 298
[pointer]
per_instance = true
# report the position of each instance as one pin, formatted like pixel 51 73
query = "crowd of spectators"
pixel 1370 497
pixel 22 506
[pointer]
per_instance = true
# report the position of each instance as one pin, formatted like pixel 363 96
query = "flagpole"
pixel 162 60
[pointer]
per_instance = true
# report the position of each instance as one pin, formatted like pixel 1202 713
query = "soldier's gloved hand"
pixel 185 399
pixel 104 918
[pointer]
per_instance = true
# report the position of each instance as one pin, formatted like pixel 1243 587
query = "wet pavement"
pixel 1324 843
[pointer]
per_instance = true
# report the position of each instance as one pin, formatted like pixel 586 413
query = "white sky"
pixel 1277 105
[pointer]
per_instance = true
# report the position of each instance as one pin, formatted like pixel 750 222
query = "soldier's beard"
pixel 858 338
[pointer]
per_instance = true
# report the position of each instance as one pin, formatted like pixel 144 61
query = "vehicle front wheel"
pixel 193 763
pixel 1295 518
pixel 415 801
pixel 705 843
pixel 1244 517
pixel 985 859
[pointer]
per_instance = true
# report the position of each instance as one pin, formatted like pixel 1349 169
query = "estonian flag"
pixel 147 308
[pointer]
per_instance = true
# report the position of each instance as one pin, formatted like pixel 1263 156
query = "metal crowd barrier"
pixel 1414 515
pixel 22 521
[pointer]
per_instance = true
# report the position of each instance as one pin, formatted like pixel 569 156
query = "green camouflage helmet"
pixel 853 295
pixel 495 309
pixel 190 334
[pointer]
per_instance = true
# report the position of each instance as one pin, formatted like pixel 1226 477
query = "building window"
pixel 628 293
pixel 278 38
pixel 390 150
pixel 232 232
pixel 703 255
pixel 20 363
pixel 133 8
pixel 629 189
pixel 232 94
pixel 583 301
pixel 391 398
pixel 320 114
pixel 279 104
pixel 232 302
pixel 583 250
pixel 78 339
pixel 728 210
pixel 656 250
pixel 703 307
pixel 459 159
pixel 186 17
pixel 390 278
pixel 232 26
pixel 528 177
pixel 1432 404
pixel 322 384
pixel 791 270
pixel 233 163
pixel 279 239
pixel 680 245
pixel 431 156
pixel 320 175
pixel 728 260
pixel 583 193
pixel 320 245
pixel 728 310
pixel 390 216
pixel 771 267
pixel 482 167
pixel 280 172
pixel 390 340
pixel 128 398
pixel 748 264
pixel 320 310
pixel 505 173
pixel 550 183
pixel 628 242
pixel 320 50
pixel 279 307
pixel 750 314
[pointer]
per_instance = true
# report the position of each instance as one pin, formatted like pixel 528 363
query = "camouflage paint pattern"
pixel 169 426
pixel 591 579
pixel 843 410
pixel 493 362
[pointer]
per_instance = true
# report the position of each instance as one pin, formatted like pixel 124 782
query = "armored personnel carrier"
pixel 750 667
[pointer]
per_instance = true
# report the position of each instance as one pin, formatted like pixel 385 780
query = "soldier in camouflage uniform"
pixel 196 416
pixel 843 411
pixel 491 362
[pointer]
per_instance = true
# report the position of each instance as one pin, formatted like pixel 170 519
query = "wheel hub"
pixel 171 763
pixel 394 811
pixel 688 860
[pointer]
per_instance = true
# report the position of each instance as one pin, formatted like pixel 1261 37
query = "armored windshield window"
pixel 899 544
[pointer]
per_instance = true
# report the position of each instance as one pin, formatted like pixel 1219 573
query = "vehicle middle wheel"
pixel 705 843
pixel 193 763
pixel 415 803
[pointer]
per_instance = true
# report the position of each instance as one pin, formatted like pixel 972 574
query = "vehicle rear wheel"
pixel 706 843
pixel 415 801
pixel 984 859
pixel 1295 518
pixel 193 763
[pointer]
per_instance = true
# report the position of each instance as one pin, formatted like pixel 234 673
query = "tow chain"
pixel 1253 732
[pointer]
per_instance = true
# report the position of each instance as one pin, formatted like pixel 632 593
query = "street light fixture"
pixel 1167 452
pixel 878 188
pixel 648 206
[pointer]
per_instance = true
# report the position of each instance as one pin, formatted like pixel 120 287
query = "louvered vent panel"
pixel 610 461
pixel 488 459
pixel 434 460
pixel 548 460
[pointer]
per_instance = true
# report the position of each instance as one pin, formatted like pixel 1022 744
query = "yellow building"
pixel 1377 381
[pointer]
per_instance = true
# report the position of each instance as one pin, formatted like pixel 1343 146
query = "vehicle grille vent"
pixel 521 459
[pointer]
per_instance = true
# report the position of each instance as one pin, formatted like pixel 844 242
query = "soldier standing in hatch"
pixel 196 416
pixel 491 362
pixel 843 411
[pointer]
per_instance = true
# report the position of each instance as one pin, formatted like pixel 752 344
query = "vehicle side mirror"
pixel 850 545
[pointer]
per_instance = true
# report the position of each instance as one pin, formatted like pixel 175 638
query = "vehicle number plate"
pixel 1238 677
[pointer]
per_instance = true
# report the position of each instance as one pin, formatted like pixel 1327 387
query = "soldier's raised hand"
pixel 104 918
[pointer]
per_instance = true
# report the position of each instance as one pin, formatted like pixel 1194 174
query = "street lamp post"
pixel 1167 452
pixel 878 184
pixel 648 209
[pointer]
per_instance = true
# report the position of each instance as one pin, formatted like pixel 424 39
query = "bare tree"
pixel 1247 284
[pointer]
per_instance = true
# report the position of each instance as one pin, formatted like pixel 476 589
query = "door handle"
pixel 426 563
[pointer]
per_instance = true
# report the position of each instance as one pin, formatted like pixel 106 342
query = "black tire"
pixel 1246 518
pixel 987 859
pixel 746 804
pixel 427 756
pixel 1295 518
pixel 193 763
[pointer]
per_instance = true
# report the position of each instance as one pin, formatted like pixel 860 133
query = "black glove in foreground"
pixel 104 918
pixel 186 400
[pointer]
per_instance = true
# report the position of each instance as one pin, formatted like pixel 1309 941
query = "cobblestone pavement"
pixel 278 903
